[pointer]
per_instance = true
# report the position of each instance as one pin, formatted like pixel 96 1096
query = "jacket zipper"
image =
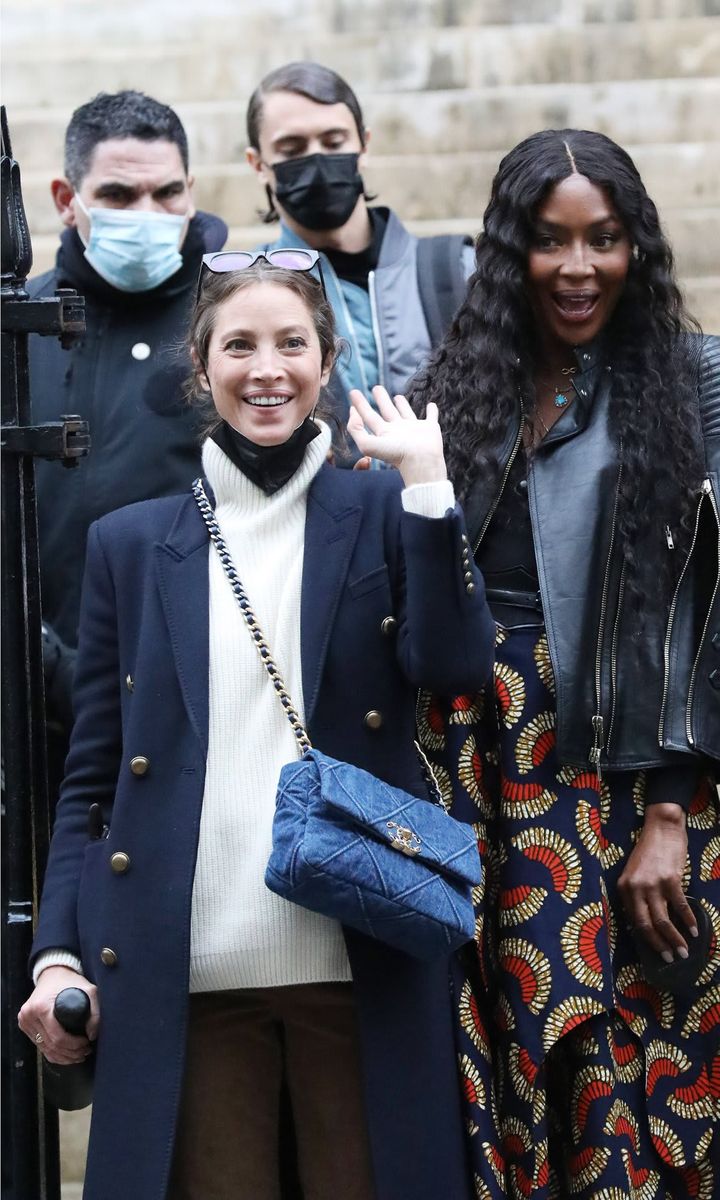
pixel 506 472
pixel 613 658
pixel 376 329
pixel 706 486
pixel 598 742
pixel 707 491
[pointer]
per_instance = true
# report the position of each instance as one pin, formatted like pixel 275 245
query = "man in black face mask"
pixel 393 294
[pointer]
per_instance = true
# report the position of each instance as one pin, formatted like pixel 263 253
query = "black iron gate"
pixel 30 1167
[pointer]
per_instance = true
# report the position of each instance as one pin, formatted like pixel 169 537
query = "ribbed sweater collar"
pixel 238 494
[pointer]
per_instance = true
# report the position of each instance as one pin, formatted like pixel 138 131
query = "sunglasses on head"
pixel 290 259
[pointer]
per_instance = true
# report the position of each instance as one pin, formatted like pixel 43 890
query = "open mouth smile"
pixel 575 306
pixel 268 400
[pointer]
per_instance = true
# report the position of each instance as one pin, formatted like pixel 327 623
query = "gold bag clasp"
pixel 403 839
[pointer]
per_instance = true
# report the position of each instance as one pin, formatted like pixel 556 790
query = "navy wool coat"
pixel 142 693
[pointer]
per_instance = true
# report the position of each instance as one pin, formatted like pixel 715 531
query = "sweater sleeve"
pixel 673 784
pixel 429 499
pixel 55 958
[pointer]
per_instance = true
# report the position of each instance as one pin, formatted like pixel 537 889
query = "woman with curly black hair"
pixel 580 408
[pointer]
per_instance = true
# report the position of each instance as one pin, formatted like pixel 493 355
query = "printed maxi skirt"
pixel 580 1079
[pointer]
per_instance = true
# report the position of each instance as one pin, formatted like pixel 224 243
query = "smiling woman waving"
pixel 581 415
pixel 210 992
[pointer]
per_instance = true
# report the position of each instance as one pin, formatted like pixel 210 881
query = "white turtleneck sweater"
pixel 242 934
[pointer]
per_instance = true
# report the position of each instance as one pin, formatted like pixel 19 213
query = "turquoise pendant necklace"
pixel 561 394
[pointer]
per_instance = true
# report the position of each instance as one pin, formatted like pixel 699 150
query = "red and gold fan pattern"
pixel 466 710
pixel 579 940
pixel 557 855
pixel 710 861
pixel 525 799
pixel 702 813
pixel 535 741
pixel 568 1015
pixel 471 771
pixel 541 655
pixel 559 995
pixel 510 694
pixel 530 967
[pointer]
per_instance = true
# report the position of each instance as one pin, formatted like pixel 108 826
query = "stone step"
pixel 703 300
pixel 433 59
pixel 670 110
pixel 93 23
pixel 349 16
pixel 457 121
pixel 74 1129
pixel 695 239
pixel 421 187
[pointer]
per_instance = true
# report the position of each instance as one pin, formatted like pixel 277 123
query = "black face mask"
pixel 269 467
pixel 319 191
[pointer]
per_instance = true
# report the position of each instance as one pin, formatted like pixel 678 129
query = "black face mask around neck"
pixel 269 467
pixel 319 191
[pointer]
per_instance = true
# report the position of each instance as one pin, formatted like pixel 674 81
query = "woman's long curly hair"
pixel 487 359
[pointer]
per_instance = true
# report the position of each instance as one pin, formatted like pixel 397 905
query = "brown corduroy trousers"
pixel 240 1046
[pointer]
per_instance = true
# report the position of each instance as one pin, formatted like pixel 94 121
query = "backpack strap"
pixel 442 280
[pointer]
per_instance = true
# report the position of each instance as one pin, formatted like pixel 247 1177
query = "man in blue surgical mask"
pixel 132 245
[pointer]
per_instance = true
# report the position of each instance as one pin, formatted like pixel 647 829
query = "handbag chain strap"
pixel 256 632
pixel 263 649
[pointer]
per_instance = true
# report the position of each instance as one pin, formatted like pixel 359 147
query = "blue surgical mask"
pixel 134 251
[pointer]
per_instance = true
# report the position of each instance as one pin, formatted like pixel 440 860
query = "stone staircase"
pixel 447 87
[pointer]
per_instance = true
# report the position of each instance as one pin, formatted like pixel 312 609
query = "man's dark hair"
pixel 125 114
pixel 308 79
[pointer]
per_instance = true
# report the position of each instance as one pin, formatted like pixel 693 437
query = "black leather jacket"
pixel 622 703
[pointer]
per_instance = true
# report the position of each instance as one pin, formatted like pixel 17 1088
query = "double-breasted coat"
pixel 390 601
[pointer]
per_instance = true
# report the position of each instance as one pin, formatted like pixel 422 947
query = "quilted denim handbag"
pixel 348 845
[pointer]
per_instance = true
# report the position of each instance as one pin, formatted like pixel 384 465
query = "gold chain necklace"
pixel 545 428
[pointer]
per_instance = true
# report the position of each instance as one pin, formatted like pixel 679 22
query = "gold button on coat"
pixel 140 765
pixel 373 719
pixel 130 683
pixel 389 626
pixel 469 588
pixel 108 956
pixel 120 862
